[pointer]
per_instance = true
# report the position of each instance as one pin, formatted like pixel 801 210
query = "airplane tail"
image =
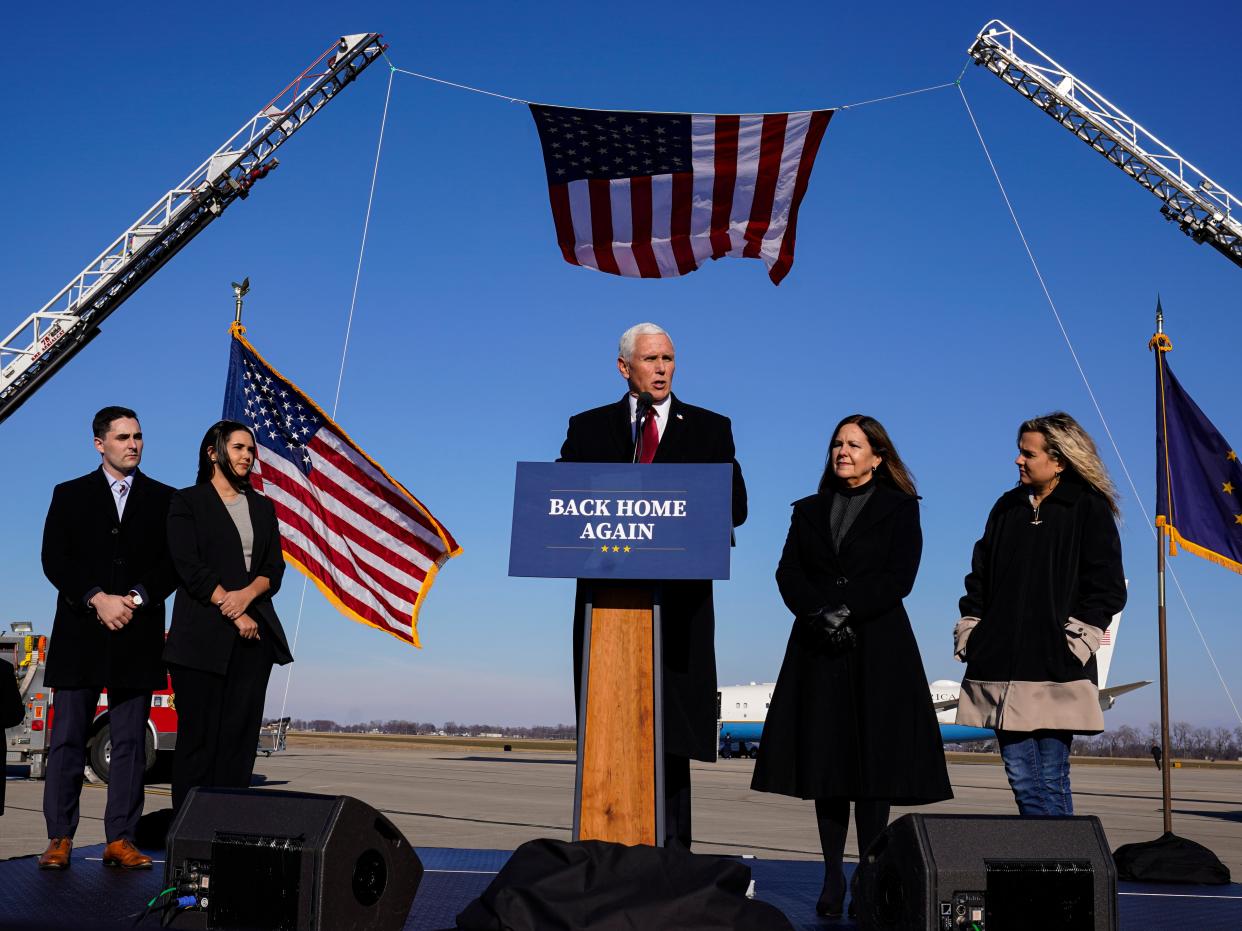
pixel 1104 655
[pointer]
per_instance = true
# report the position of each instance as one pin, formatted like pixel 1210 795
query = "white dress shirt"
pixel 121 487
pixel 661 410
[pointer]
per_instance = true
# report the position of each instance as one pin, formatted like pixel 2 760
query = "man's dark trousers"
pixel 74 710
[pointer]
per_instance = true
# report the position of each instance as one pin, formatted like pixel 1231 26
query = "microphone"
pixel 642 410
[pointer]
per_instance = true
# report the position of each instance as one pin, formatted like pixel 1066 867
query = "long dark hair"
pixel 216 440
pixel 891 470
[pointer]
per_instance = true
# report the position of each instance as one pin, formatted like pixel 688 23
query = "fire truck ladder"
pixel 1204 210
pixel 49 338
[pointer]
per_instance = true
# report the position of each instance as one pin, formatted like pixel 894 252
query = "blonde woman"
pixel 1045 582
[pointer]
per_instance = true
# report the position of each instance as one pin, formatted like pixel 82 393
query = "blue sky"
pixel 910 299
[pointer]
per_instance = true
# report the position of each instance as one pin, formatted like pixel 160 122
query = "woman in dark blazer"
pixel 851 717
pixel 225 634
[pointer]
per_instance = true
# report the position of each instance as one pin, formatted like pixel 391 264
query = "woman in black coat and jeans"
pixel 1045 582
pixel 225 635
pixel 851 717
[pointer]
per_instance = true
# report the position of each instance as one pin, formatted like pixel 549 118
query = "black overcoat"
pixel 12 709
pixel 687 617
pixel 85 547
pixel 860 724
pixel 206 549
pixel 1027 582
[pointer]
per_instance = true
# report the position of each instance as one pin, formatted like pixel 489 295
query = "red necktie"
pixel 651 437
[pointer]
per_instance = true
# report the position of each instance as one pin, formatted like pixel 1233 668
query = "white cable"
pixel 921 90
pixel 362 248
pixel 1056 314
pixel 465 87
pixel 479 90
pixel 349 323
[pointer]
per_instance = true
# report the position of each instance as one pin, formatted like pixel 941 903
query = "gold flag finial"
pixel 1159 341
pixel 239 292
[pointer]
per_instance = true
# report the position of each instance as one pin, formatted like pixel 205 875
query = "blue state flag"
pixel 1198 476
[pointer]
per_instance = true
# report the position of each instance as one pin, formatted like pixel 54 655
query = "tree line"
pixel 426 728
pixel 1187 740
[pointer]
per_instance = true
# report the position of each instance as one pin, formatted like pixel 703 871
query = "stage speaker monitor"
pixel 988 873
pixel 287 861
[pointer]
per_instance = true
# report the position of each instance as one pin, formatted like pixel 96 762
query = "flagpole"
pixel 1166 755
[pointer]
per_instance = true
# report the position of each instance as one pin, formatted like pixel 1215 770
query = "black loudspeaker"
pixel 286 861
pixel 988 873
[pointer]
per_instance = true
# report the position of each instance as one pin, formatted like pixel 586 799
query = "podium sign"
pixel 574 520
pixel 609 523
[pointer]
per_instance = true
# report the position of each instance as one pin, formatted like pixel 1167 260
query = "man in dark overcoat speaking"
pixel 105 549
pixel 666 431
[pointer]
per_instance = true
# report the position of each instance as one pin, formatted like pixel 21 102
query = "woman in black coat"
pixel 225 635
pixel 851 717
pixel 1045 582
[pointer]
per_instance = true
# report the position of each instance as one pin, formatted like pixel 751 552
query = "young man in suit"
pixel 667 431
pixel 105 549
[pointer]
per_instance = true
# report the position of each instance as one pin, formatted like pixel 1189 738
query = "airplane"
pixel 742 709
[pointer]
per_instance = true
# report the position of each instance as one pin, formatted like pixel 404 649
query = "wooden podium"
pixel 619 783
pixel 621 530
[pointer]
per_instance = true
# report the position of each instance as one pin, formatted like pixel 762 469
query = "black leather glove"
pixel 827 630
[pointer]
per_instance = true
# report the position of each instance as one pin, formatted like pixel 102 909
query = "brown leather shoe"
pixel 124 854
pixel 56 857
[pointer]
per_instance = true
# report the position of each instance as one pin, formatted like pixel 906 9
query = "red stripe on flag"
pixel 387 528
pixel 365 611
pixel 383 491
pixel 771 147
pixel 640 218
pixel 726 177
pixel 360 572
pixel 679 222
pixel 601 225
pixel 355 535
pixel 810 147
pixel 337 558
pixel 558 194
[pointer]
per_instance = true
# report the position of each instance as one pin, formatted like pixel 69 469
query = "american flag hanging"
pixel 368 544
pixel 654 195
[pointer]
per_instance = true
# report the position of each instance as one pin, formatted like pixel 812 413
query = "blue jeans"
pixel 1037 764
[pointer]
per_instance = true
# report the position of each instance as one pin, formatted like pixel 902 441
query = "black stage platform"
pixel 88 896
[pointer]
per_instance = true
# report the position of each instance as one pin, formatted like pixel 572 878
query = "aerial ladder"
pixel 1203 209
pixel 53 335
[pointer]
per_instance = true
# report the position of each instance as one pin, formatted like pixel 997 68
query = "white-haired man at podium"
pixel 650 424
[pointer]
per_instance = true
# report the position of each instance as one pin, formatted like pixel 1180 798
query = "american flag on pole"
pixel 368 544
pixel 654 195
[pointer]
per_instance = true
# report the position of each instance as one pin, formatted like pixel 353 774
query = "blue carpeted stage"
pixel 89 897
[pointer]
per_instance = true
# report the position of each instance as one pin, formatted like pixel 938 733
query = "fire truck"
pixel 28 742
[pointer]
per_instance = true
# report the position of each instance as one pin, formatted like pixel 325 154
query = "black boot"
pixel 832 898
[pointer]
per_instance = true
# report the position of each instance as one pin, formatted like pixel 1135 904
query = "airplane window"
pixel 737 704
pixel 745 704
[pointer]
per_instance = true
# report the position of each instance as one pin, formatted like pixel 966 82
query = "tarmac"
pixel 480 797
